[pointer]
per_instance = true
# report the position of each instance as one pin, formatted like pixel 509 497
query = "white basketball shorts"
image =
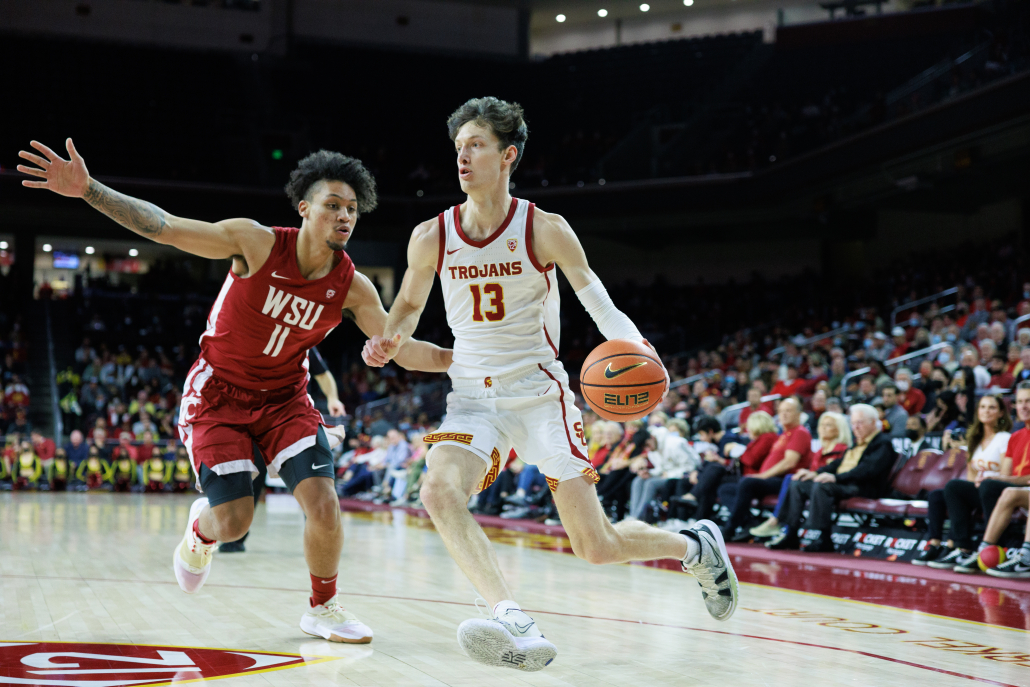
pixel 530 409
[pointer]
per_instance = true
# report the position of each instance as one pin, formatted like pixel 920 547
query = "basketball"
pixel 990 557
pixel 622 380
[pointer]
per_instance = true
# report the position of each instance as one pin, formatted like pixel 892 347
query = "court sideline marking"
pixel 856 652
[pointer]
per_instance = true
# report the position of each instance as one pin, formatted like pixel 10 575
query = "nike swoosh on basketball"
pixel 278 276
pixel 451 252
pixel 316 467
pixel 609 373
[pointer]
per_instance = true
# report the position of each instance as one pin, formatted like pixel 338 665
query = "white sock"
pixel 503 607
pixel 693 551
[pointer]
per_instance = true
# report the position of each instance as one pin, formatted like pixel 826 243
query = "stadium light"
pixel 3 245
pixel 688 3
pixel 560 18
pixel 90 250
pixel 47 248
pixel 645 7
pixel 133 252
pixel 602 13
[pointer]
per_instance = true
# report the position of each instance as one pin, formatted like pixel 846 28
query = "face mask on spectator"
pixel 950 337
pixel 902 386
pixel 913 322
pixel 1026 294
pixel 943 358
pixel 935 339
pixel 912 434
pixel 868 343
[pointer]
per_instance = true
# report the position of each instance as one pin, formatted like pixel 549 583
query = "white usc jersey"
pixel 502 305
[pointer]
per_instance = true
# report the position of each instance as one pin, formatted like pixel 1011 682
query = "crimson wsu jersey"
pixel 261 327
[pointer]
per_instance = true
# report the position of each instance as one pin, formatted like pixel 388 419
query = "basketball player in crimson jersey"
pixel 495 256
pixel 286 291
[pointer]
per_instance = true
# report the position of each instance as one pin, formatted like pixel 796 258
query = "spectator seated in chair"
pixel 834 434
pixel 863 470
pixel 60 471
pixel 910 398
pixel 735 458
pixel 669 457
pixel 182 471
pixel 28 468
pixel 123 470
pixel 987 444
pixel 998 491
pixel 1013 498
pixel 93 472
pixel 783 459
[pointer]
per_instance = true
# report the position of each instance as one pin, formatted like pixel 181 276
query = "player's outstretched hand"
pixel 378 351
pixel 336 408
pixel 66 177
pixel 667 381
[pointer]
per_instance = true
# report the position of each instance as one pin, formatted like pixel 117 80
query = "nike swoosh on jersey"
pixel 278 276
pixel 609 373
pixel 452 252
pixel 316 467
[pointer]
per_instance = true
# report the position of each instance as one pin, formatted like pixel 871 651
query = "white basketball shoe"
pixel 192 558
pixel 511 640
pixel 330 621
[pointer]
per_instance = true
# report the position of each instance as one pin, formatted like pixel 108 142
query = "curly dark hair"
pixel 326 165
pixel 505 119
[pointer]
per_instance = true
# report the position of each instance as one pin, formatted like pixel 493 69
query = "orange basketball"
pixel 622 380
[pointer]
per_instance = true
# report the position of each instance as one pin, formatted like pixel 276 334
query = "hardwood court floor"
pixel 96 568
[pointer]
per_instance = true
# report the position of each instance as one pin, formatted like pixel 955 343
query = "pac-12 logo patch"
pixel 330 293
pixel 513 244
pixel 114 665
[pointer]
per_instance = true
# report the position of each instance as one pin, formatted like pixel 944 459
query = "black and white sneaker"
pixel 712 570
pixel 932 553
pixel 1017 567
pixel 947 560
pixel 967 563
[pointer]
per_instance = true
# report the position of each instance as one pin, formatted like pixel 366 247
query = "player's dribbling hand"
pixel 667 381
pixel 66 177
pixel 378 351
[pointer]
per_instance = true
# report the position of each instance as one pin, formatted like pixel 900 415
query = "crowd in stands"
pixel 781 415
pixel 800 100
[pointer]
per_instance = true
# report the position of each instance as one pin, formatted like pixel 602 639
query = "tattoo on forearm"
pixel 140 216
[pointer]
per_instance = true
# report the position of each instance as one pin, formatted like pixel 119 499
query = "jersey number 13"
pixel 496 295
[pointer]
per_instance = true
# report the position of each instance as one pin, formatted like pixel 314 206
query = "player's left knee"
pixel 594 551
pixel 325 513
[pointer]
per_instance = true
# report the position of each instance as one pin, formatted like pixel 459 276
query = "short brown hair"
pixel 505 119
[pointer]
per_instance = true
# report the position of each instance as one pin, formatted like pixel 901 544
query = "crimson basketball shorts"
pixel 530 409
pixel 219 423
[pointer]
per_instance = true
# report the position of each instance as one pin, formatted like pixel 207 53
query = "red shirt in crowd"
pixel 1003 381
pixel 788 387
pixel 45 449
pixel 746 413
pixel 1019 451
pixel 913 401
pixel 756 452
pixel 796 439
pixel 818 459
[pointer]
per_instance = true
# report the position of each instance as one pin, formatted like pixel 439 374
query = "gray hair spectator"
pixel 1023 336
pixel 862 471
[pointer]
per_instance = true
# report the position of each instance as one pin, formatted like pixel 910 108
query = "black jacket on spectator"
pixel 873 469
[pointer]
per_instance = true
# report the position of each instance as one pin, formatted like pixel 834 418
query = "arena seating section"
pixel 723 103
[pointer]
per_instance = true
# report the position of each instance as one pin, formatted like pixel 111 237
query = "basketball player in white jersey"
pixel 495 257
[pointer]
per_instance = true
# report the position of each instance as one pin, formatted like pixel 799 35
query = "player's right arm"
pixel 232 238
pixel 423 253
